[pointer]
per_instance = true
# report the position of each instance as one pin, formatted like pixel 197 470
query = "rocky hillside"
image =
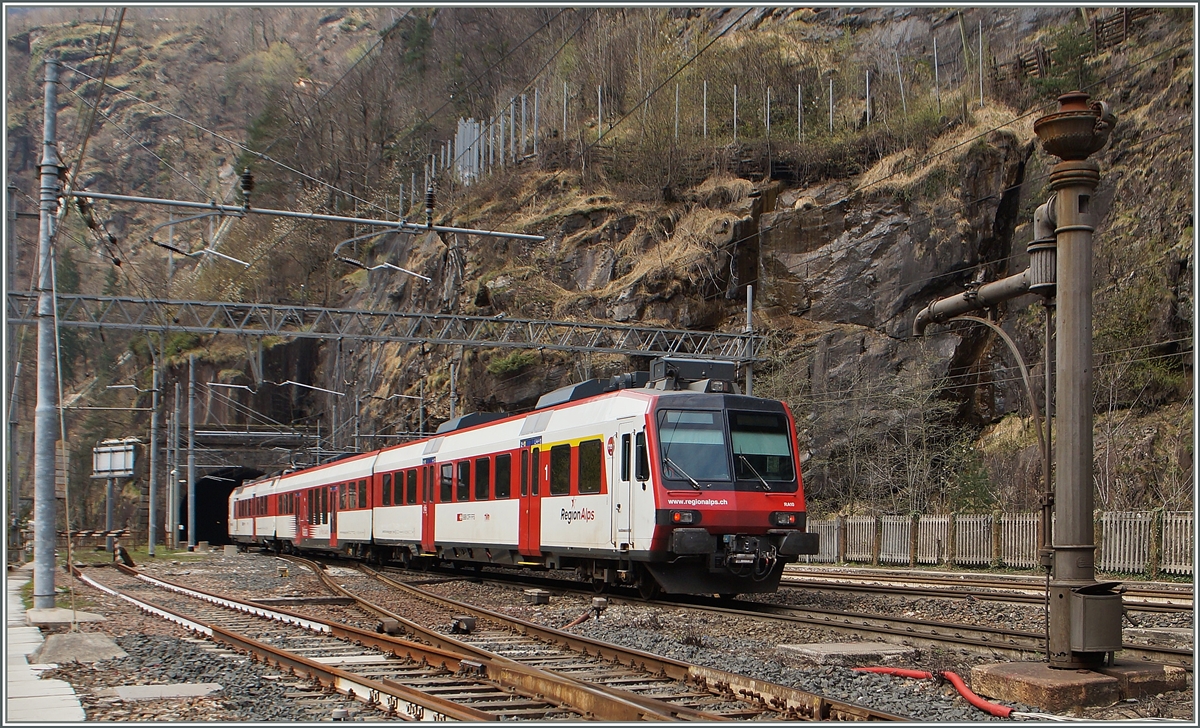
pixel 844 235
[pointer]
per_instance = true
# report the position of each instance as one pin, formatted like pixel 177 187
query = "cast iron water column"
pixel 1081 629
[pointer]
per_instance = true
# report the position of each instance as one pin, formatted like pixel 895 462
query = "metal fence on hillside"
pixel 1137 542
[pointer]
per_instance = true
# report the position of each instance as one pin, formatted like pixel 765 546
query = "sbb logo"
pixel 583 514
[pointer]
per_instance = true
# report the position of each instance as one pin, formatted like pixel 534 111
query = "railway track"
pixel 406 680
pixel 996 642
pixel 633 673
pixel 1017 590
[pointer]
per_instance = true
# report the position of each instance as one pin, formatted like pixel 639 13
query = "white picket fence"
pixel 1126 541
pixel 1179 544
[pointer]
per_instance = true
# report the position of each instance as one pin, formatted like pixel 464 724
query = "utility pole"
pixel 750 330
pixel 173 508
pixel 191 454
pixel 153 520
pixel 45 424
pixel 14 511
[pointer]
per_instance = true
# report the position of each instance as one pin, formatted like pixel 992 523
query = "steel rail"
pixel 1014 644
pixel 412 702
pixel 1012 593
pixel 793 703
pixel 562 687
pixel 1144 590
pixel 587 700
pixel 311 322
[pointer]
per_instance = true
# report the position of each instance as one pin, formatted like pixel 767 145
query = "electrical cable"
pixel 150 151
pixel 317 104
pixel 539 72
pixel 231 142
pixel 472 82
pixel 112 49
pixel 930 218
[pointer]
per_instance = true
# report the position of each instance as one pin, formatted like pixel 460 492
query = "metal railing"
pixel 1135 542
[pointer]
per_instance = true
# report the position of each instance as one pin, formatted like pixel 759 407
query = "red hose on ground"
pixel 1000 711
pixel 580 620
pixel 897 671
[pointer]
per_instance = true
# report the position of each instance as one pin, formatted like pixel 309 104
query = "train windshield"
pixel 693 445
pixel 761 446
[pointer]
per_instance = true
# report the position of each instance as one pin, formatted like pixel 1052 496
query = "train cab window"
pixel 560 470
pixel 447 493
pixel 483 479
pixel 524 472
pixel 411 490
pixel 693 445
pixel 761 447
pixel 589 466
pixel 362 493
pixel 503 475
pixel 642 470
pixel 385 497
pixel 463 492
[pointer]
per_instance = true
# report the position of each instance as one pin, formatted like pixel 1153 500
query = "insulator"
pixel 429 199
pixel 247 181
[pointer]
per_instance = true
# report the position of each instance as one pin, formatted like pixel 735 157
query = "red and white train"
pixel 666 480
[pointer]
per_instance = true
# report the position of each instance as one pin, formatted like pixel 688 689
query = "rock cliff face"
pixel 843 241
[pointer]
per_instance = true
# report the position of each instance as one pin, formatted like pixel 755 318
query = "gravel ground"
pixel 745 646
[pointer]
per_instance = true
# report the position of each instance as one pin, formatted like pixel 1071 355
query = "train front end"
pixel 730 508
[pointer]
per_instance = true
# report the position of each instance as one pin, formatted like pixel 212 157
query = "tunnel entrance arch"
pixel 212 503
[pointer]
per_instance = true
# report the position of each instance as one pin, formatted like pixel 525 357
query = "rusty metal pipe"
pixel 985 296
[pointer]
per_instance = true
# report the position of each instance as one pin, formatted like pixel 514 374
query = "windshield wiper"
pixel 760 478
pixel 672 463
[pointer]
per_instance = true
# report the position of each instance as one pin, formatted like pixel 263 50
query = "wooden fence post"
pixel 877 545
pixel 1154 567
pixel 997 540
pixel 952 540
pixel 841 539
pixel 913 539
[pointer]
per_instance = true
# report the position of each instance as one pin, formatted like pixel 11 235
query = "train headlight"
pixel 680 518
pixel 783 518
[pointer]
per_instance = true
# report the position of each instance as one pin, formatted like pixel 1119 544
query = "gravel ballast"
pixel 742 645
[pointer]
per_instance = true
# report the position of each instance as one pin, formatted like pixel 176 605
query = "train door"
pixel 302 510
pixel 622 491
pixel 333 511
pixel 427 508
pixel 529 538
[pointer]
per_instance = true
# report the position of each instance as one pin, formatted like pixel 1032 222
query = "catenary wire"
pixel 150 151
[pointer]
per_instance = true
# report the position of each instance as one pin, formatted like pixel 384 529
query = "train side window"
pixel 362 493
pixel 411 495
pixel 524 472
pixel 483 479
pixel 447 493
pixel 503 475
pixel 325 505
pixel 589 466
pixel 346 492
pixel 643 458
pixel 560 470
pixel 536 469
pixel 463 491
pixel 386 497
